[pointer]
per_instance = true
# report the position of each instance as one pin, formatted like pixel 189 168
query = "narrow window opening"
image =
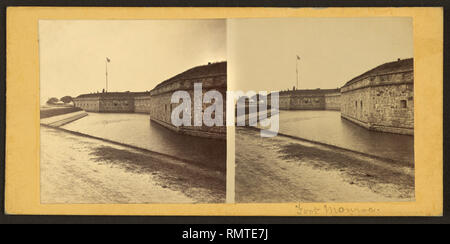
pixel 403 104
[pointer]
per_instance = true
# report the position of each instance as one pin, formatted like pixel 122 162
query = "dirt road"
pixel 75 169
pixel 281 169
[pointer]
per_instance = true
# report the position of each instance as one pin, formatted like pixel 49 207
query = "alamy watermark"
pixel 257 104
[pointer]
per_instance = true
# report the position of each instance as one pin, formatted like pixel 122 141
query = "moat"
pixel 137 130
pixel 328 127
pixel 321 126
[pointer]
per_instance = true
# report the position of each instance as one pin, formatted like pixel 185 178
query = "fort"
pixel 212 77
pixel 113 102
pixel 382 99
pixel 157 102
pixel 317 99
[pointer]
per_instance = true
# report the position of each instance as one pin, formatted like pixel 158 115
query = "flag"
pixel 298 57
pixel 108 60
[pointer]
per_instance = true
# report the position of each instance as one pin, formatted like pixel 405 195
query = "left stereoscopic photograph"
pixel 131 111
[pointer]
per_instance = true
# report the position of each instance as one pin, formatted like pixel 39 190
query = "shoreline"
pixel 282 169
pixel 335 147
pixel 109 172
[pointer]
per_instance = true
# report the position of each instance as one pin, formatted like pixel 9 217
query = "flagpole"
pixel 106 67
pixel 296 69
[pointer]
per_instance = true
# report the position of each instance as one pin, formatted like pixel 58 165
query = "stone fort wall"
pixel 89 104
pixel 114 102
pixel 117 105
pixel 328 99
pixel 142 104
pixel 333 101
pixel 161 107
pixel 381 99
pixel 381 103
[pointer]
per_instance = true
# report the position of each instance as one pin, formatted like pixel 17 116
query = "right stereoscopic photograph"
pixel 329 111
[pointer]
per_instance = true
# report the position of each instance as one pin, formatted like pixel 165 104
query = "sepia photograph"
pixel 224 112
pixel 110 93
pixel 344 91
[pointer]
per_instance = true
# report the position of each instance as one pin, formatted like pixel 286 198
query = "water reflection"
pixel 330 128
pixel 138 130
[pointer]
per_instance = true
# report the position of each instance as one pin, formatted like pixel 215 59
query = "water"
pixel 138 130
pixel 328 127
pixel 323 126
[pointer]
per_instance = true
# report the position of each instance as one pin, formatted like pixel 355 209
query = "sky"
pixel 262 52
pixel 143 53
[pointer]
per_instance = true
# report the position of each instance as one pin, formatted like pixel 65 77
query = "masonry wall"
pixel 89 104
pixel 142 104
pixel 117 104
pixel 161 106
pixel 382 103
pixel 310 101
pixel 161 109
pixel 394 108
pixel 307 102
pixel 333 101
pixel 284 101
pixel 357 105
